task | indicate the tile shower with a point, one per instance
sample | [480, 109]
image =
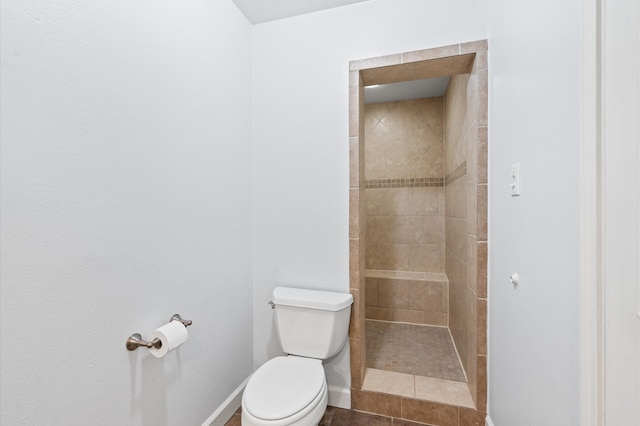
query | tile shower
[418, 241]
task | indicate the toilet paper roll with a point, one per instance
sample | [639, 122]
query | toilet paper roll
[171, 335]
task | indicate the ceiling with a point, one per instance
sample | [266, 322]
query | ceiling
[416, 89]
[258, 11]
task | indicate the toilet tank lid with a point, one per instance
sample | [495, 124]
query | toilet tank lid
[314, 299]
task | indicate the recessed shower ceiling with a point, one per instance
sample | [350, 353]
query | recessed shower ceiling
[416, 89]
[258, 11]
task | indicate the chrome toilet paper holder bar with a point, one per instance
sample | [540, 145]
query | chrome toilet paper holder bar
[135, 340]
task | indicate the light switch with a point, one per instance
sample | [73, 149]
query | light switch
[515, 180]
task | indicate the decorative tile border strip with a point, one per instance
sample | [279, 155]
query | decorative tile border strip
[459, 171]
[404, 183]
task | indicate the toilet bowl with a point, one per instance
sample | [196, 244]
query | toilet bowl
[287, 390]
[292, 390]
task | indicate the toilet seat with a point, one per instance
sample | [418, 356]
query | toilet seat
[285, 391]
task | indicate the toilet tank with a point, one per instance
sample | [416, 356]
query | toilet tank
[311, 323]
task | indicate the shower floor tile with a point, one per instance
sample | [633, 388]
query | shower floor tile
[421, 350]
[419, 387]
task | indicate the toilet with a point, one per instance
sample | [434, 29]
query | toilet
[292, 390]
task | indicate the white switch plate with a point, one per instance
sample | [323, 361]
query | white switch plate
[515, 180]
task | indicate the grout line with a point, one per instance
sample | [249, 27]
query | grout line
[459, 359]
[415, 390]
[412, 323]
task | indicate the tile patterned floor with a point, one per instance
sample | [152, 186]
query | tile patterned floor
[341, 417]
[416, 349]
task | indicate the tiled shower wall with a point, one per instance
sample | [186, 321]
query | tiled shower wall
[413, 297]
[404, 171]
[465, 236]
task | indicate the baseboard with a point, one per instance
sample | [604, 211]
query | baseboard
[340, 397]
[488, 421]
[228, 407]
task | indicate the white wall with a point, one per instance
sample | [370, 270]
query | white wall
[300, 138]
[621, 199]
[126, 164]
[534, 120]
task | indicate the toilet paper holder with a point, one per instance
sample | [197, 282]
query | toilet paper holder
[135, 340]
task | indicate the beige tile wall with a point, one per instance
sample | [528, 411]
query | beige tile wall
[403, 139]
[417, 300]
[405, 224]
[465, 132]
[456, 262]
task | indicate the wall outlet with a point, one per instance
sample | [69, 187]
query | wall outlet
[515, 180]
